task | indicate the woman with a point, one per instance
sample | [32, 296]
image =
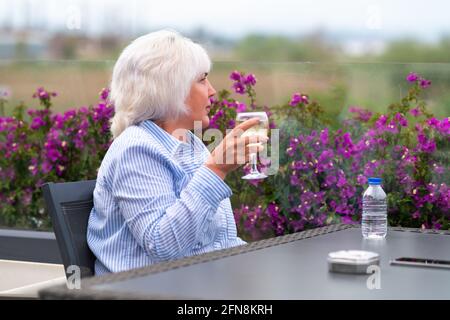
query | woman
[160, 194]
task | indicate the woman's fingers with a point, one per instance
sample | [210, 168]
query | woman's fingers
[235, 142]
[255, 139]
[254, 148]
[235, 150]
[244, 126]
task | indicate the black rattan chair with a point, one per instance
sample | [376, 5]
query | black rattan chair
[69, 205]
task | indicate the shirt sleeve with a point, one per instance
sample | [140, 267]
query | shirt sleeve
[165, 225]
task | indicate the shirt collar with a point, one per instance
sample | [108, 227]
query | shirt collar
[171, 143]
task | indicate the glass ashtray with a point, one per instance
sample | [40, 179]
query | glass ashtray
[352, 261]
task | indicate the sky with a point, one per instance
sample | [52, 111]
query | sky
[427, 20]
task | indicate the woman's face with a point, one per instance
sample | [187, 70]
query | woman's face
[198, 101]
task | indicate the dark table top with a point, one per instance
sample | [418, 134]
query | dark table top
[289, 267]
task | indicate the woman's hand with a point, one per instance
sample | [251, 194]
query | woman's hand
[235, 150]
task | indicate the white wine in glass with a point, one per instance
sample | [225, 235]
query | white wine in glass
[260, 129]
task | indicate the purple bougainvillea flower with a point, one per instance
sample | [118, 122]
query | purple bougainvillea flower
[241, 107]
[239, 88]
[250, 80]
[104, 93]
[412, 77]
[53, 155]
[424, 83]
[362, 180]
[381, 122]
[69, 114]
[444, 126]
[295, 99]
[37, 123]
[235, 75]
[43, 95]
[401, 120]
[324, 136]
[426, 145]
[46, 167]
[298, 98]
[433, 122]
[415, 112]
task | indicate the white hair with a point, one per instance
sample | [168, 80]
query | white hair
[152, 78]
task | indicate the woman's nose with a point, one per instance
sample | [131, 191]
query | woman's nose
[211, 90]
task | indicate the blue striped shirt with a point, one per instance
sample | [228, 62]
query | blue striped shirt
[154, 201]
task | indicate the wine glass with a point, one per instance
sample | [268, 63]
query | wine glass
[260, 129]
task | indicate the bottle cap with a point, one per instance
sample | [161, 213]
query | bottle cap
[375, 181]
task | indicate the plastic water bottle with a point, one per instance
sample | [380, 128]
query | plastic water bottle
[374, 216]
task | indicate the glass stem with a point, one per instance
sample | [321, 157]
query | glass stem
[253, 161]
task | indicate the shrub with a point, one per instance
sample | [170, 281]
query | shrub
[322, 171]
[39, 146]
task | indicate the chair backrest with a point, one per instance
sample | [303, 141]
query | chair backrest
[69, 205]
